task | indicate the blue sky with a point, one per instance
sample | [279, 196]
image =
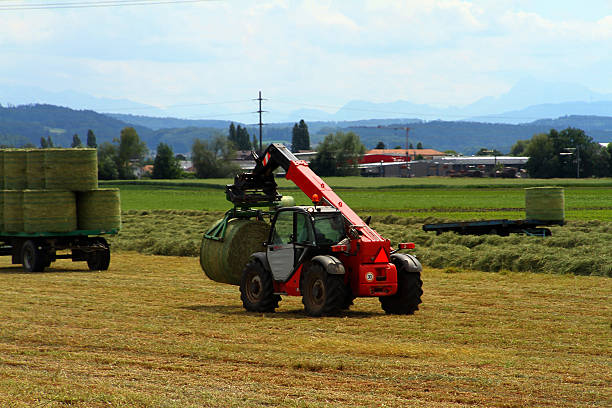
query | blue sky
[306, 53]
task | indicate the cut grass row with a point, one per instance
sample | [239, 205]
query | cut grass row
[153, 331]
[581, 247]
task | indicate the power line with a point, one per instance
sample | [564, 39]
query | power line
[93, 4]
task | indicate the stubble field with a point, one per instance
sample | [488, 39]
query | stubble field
[153, 331]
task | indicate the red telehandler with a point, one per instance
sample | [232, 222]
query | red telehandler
[325, 253]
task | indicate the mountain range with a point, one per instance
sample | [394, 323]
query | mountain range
[26, 124]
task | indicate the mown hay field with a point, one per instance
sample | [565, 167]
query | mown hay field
[154, 332]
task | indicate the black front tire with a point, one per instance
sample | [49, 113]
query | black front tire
[99, 260]
[33, 257]
[409, 290]
[323, 293]
[257, 289]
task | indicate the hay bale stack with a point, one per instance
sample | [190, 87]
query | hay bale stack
[545, 203]
[1, 169]
[35, 169]
[49, 211]
[71, 169]
[15, 169]
[13, 211]
[223, 261]
[99, 209]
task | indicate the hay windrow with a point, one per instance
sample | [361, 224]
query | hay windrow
[71, 169]
[15, 169]
[35, 169]
[1, 210]
[49, 211]
[223, 261]
[13, 210]
[545, 203]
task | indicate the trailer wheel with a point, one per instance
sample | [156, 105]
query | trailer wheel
[257, 289]
[323, 293]
[409, 289]
[33, 257]
[99, 260]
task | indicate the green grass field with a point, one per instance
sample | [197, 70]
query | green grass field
[154, 332]
[453, 199]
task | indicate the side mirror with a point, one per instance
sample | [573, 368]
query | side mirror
[368, 219]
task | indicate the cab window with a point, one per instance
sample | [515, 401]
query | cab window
[283, 229]
[305, 235]
[329, 228]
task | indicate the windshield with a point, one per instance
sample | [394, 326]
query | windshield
[329, 228]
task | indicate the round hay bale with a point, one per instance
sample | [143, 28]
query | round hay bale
[1, 169]
[71, 169]
[15, 169]
[35, 169]
[287, 201]
[545, 203]
[223, 261]
[99, 209]
[49, 211]
[13, 211]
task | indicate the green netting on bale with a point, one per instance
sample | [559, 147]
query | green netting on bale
[223, 261]
[35, 169]
[13, 211]
[71, 169]
[545, 203]
[15, 169]
[49, 211]
[1, 169]
[99, 209]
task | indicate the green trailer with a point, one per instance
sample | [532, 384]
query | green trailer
[36, 251]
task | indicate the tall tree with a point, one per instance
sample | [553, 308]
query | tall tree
[242, 138]
[165, 166]
[43, 143]
[338, 155]
[91, 139]
[107, 162]
[300, 137]
[76, 141]
[131, 151]
[419, 145]
[232, 134]
[50, 142]
[213, 158]
[380, 145]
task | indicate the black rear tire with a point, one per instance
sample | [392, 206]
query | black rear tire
[409, 290]
[99, 260]
[33, 257]
[323, 293]
[257, 289]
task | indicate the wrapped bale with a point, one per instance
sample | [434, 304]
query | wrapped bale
[223, 261]
[49, 211]
[35, 169]
[545, 204]
[13, 211]
[99, 209]
[15, 169]
[71, 169]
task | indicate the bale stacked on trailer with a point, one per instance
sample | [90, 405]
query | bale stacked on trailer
[15, 169]
[71, 169]
[49, 211]
[224, 260]
[99, 209]
[54, 190]
[13, 210]
[35, 169]
[545, 204]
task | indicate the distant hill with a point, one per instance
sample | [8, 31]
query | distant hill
[26, 124]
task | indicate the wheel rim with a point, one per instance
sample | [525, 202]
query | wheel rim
[318, 292]
[254, 288]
